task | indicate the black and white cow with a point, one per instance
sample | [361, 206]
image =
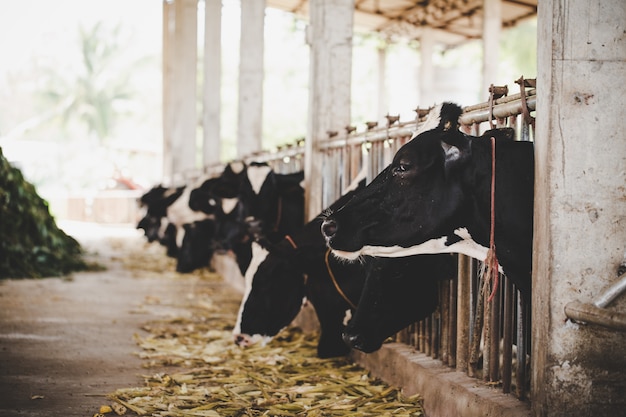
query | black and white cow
[154, 223]
[257, 204]
[273, 203]
[435, 198]
[299, 267]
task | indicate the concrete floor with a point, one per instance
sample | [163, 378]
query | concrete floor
[66, 343]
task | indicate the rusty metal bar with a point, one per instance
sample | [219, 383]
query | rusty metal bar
[596, 313]
[522, 333]
[494, 348]
[444, 296]
[507, 336]
[464, 310]
[452, 328]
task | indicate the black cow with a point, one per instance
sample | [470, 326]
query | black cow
[435, 198]
[282, 276]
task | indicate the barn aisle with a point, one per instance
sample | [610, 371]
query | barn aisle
[159, 342]
[67, 342]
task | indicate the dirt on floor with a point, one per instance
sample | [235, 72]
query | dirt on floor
[65, 343]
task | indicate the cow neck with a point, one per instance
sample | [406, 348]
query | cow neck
[492, 259]
[279, 214]
[334, 280]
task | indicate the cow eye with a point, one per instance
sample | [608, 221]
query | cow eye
[401, 168]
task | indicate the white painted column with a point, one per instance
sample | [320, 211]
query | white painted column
[492, 25]
[182, 90]
[167, 85]
[383, 101]
[426, 79]
[330, 39]
[580, 205]
[211, 97]
[250, 112]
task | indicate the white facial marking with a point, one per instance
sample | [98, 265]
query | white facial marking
[347, 317]
[257, 176]
[466, 246]
[237, 166]
[179, 212]
[163, 226]
[229, 204]
[168, 192]
[258, 256]
[432, 121]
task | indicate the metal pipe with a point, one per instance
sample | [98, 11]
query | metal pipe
[596, 313]
[589, 313]
[612, 292]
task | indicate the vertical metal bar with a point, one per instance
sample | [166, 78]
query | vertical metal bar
[494, 348]
[422, 337]
[434, 335]
[444, 296]
[488, 323]
[427, 335]
[463, 312]
[521, 348]
[452, 327]
[507, 336]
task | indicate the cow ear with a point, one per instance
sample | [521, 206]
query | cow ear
[455, 148]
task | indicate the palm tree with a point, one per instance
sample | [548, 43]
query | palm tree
[93, 96]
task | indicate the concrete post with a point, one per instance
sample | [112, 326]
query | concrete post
[168, 102]
[330, 39]
[492, 24]
[426, 81]
[250, 113]
[580, 205]
[383, 101]
[211, 144]
[179, 75]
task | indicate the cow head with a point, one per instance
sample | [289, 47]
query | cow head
[435, 198]
[196, 249]
[396, 293]
[273, 297]
[410, 201]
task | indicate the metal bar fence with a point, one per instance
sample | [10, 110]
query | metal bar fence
[487, 341]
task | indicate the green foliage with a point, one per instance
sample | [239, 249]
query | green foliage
[31, 244]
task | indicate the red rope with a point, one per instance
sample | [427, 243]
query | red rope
[290, 240]
[492, 259]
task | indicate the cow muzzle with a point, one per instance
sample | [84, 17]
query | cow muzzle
[357, 342]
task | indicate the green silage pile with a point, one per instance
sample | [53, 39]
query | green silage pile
[31, 244]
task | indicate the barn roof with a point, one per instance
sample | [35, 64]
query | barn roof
[453, 21]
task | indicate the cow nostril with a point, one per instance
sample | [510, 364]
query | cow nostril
[329, 228]
[239, 339]
[350, 339]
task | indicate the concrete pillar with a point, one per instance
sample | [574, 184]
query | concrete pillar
[180, 59]
[580, 205]
[330, 38]
[492, 24]
[426, 81]
[211, 143]
[250, 113]
[168, 102]
[383, 102]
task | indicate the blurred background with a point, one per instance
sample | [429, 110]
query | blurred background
[81, 92]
